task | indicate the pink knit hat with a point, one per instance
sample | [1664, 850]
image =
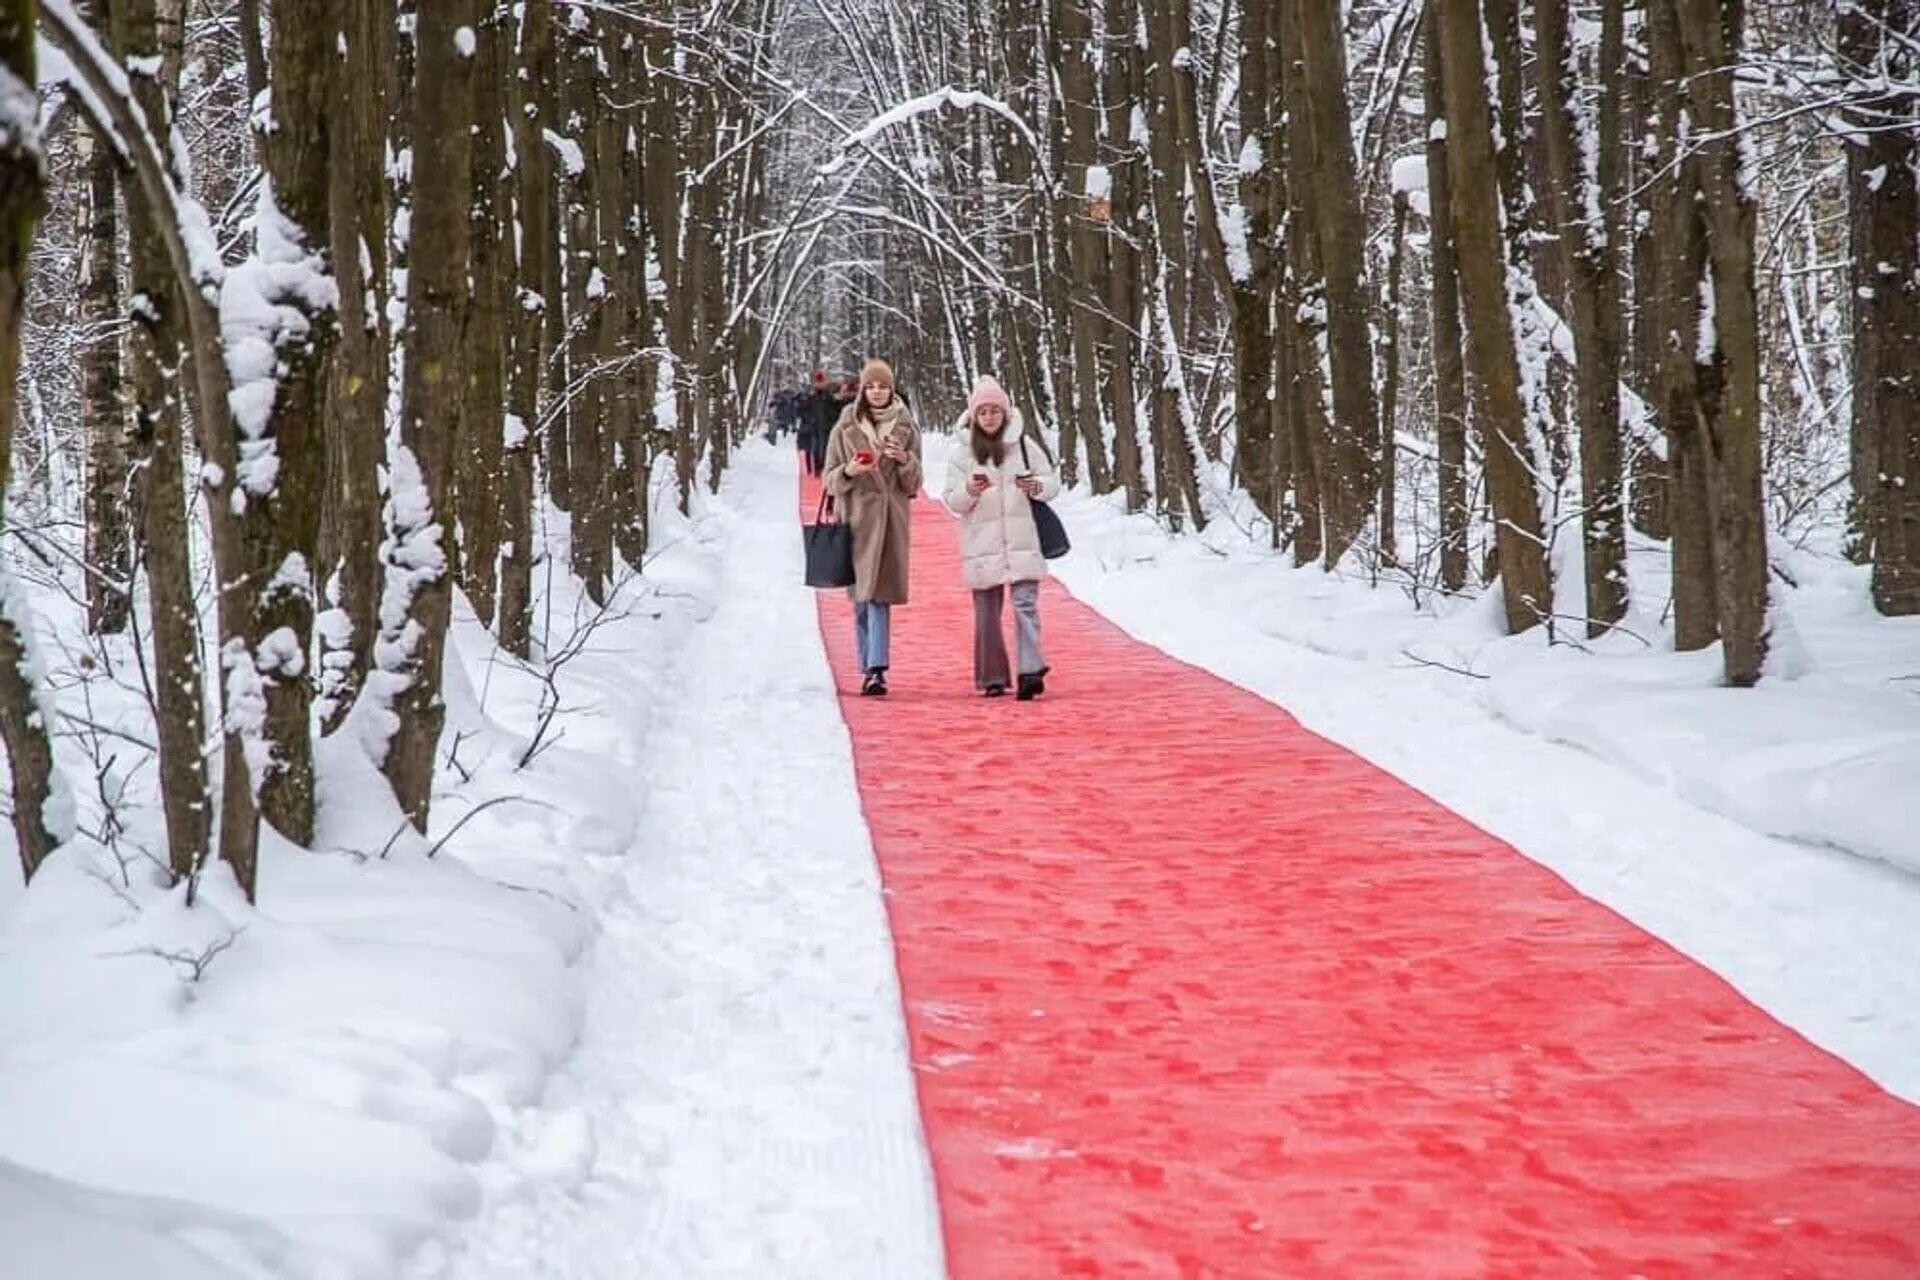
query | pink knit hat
[986, 390]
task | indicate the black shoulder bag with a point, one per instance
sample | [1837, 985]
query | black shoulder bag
[829, 547]
[1054, 542]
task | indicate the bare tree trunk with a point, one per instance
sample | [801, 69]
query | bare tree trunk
[1585, 229]
[1333, 200]
[477, 472]
[542, 54]
[1712, 35]
[1648, 469]
[1681, 249]
[400, 123]
[1174, 454]
[533, 208]
[253, 49]
[145, 38]
[707, 280]
[623, 246]
[430, 410]
[1870, 162]
[357, 390]
[1498, 408]
[214, 402]
[283, 451]
[1602, 468]
[103, 399]
[1179, 452]
[1121, 93]
[1449, 360]
[38, 822]
[588, 283]
[1022, 43]
[1306, 363]
[1878, 47]
[662, 107]
[1300, 369]
[1255, 408]
[1513, 141]
[1078, 254]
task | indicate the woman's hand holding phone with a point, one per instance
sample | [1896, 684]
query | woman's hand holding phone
[977, 483]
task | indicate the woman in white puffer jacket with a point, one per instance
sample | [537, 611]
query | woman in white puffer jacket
[992, 481]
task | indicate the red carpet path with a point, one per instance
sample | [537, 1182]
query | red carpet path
[1192, 992]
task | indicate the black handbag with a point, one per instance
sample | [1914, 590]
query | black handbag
[829, 547]
[1054, 542]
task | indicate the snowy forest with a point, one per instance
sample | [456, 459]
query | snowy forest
[368, 362]
[1473, 318]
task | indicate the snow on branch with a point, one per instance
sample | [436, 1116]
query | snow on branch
[947, 96]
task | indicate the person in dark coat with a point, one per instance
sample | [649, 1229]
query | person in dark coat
[811, 424]
[819, 412]
[786, 410]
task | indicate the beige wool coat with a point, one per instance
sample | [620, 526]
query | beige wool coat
[876, 504]
[999, 542]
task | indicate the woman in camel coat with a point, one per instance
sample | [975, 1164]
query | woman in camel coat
[873, 471]
[993, 480]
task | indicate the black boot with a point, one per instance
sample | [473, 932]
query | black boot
[875, 686]
[996, 690]
[1032, 686]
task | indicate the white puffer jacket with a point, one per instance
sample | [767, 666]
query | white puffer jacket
[999, 543]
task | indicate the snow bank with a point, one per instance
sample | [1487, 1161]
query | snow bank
[52, 1230]
[1828, 758]
[1770, 833]
[324, 1085]
[742, 1081]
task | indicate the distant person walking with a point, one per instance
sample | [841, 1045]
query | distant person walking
[873, 472]
[813, 418]
[786, 412]
[820, 410]
[993, 479]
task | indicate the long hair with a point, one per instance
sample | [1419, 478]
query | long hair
[988, 447]
[864, 410]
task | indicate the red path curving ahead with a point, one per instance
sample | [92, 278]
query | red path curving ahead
[1193, 992]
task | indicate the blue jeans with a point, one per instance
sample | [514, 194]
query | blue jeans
[872, 632]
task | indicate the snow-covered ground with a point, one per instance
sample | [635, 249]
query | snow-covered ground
[308, 1088]
[633, 1011]
[1773, 834]
[743, 1076]
[636, 1014]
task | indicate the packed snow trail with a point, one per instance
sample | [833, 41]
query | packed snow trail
[741, 1090]
[1194, 992]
